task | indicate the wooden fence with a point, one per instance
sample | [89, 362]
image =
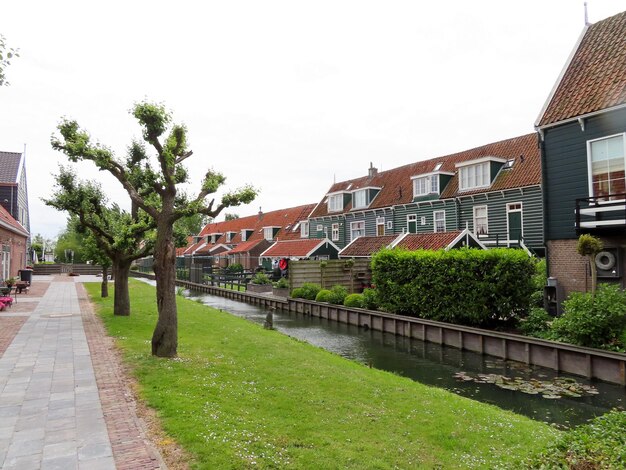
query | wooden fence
[63, 268]
[354, 275]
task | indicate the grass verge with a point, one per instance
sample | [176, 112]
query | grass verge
[239, 396]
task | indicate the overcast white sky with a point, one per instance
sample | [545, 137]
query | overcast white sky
[286, 95]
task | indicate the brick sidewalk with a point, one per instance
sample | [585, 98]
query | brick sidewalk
[58, 373]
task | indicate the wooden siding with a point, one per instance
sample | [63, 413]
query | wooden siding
[565, 171]
[496, 203]
[425, 210]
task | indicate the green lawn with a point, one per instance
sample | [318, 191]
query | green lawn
[239, 396]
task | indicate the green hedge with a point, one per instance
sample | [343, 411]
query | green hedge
[465, 286]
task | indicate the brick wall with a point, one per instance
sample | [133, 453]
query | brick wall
[571, 269]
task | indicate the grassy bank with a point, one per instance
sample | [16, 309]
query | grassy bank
[239, 396]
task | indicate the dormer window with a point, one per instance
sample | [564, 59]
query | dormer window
[230, 236]
[246, 233]
[304, 230]
[359, 199]
[270, 232]
[335, 203]
[424, 185]
[479, 173]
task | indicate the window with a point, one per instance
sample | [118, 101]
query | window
[269, 232]
[480, 220]
[244, 235]
[357, 229]
[606, 168]
[380, 226]
[359, 199]
[230, 236]
[422, 220]
[474, 176]
[439, 218]
[319, 227]
[426, 185]
[335, 203]
[334, 233]
[304, 230]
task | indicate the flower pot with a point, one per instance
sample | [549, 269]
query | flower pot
[259, 288]
[281, 291]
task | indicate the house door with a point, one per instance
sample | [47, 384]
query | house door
[6, 262]
[514, 222]
[411, 221]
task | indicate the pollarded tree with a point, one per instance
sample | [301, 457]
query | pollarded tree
[123, 237]
[152, 184]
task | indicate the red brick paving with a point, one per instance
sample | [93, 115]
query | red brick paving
[9, 326]
[131, 449]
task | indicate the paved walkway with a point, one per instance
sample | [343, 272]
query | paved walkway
[51, 401]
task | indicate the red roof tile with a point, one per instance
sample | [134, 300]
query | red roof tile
[293, 248]
[366, 246]
[397, 187]
[595, 77]
[428, 241]
[8, 222]
[244, 247]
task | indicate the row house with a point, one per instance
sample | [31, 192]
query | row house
[493, 190]
[582, 130]
[243, 240]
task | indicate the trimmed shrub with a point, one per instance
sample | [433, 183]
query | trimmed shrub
[593, 322]
[307, 291]
[261, 278]
[354, 300]
[370, 299]
[599, 444]
[540, 279]
[339, 294]
[282, 283]
[465, 286]
[235, 268]
[324, 295]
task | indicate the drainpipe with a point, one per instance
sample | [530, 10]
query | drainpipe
[457, 205]
[544, 194]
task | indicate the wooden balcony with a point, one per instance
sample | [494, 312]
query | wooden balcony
[601, 214]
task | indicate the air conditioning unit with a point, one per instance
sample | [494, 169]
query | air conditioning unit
[609, 263]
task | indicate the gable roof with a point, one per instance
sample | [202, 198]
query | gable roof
[9, 223]
[9, 167]
[397, 187]
[364, 247]
[594, 78]
[438, 241]
[302, 248]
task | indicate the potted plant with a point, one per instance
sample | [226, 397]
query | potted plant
[281, 287]
[10, 282]
[260, 283]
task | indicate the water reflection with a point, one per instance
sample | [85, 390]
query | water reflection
[432, 364]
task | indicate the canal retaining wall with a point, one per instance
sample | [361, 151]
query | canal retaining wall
[586, 362]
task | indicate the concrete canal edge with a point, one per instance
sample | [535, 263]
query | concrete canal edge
[586, 362]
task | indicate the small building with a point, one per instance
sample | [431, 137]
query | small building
[14, 245]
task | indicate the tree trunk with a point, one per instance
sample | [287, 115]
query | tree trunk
[104, 286]
[165, 336]
[121, 299]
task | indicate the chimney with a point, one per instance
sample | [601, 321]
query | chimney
[260, 213]
[372, 171]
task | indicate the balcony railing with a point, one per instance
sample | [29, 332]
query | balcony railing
[597, 213]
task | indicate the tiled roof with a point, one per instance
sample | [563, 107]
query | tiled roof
[9, 166]
[366, 246]
[8, 222]
[244, 247]
[293, 248]
[428, 241]
[595, 78]
[397, 187]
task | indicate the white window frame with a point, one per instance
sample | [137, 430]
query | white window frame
[359, 199]
[319, 228]
[425, 185]
[357, 226]
[268, 233]
[304, 230]
[475, 176]
[439, 217]
[334, 232]
[510, 208]
[335, 202]
[589, 162]
[486, 217]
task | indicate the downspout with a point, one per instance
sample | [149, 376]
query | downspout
[544, 193]
[457, 205]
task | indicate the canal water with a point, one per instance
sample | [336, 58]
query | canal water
[435, 365]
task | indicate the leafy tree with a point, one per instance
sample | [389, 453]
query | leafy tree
[69, 240]
[120, 236]
[153, 186]
[6, 54]
[228, 216]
